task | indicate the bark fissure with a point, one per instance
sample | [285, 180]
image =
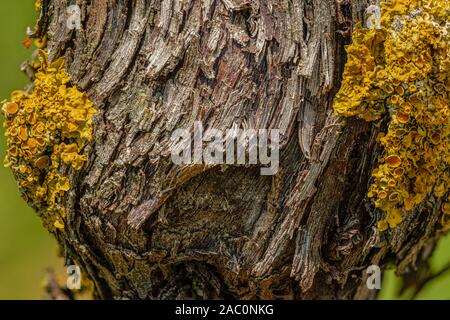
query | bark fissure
[142, 227]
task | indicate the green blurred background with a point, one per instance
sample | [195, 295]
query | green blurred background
[26, 249]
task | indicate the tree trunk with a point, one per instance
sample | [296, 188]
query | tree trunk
[143, 228]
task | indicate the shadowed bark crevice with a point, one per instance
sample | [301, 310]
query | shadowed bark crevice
[144, 228]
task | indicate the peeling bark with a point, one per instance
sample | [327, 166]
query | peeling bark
[143, 228]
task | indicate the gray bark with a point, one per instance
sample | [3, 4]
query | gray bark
[143, 228]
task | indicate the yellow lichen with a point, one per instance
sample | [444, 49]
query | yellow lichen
[445, 218]
[40, 43]
[401, 70]
[46, 128]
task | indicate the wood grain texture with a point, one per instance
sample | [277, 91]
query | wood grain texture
[144, 228]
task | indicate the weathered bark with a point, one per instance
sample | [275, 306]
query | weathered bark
[142, 227]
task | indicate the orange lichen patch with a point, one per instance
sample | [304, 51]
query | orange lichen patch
[404, 68]
[399, 172]
[42, 162]
[45, 129]
[27, 42]
[23, 133]
[382, 195]
[400, 91]
[402, 117]
[31, 144]
[393, 161]
[10, 108]
[13, 151]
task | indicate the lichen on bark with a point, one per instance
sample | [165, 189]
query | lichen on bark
[46, 128]
[400, 69]
[144, 228]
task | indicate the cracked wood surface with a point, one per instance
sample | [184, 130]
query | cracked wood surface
[144, 228]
